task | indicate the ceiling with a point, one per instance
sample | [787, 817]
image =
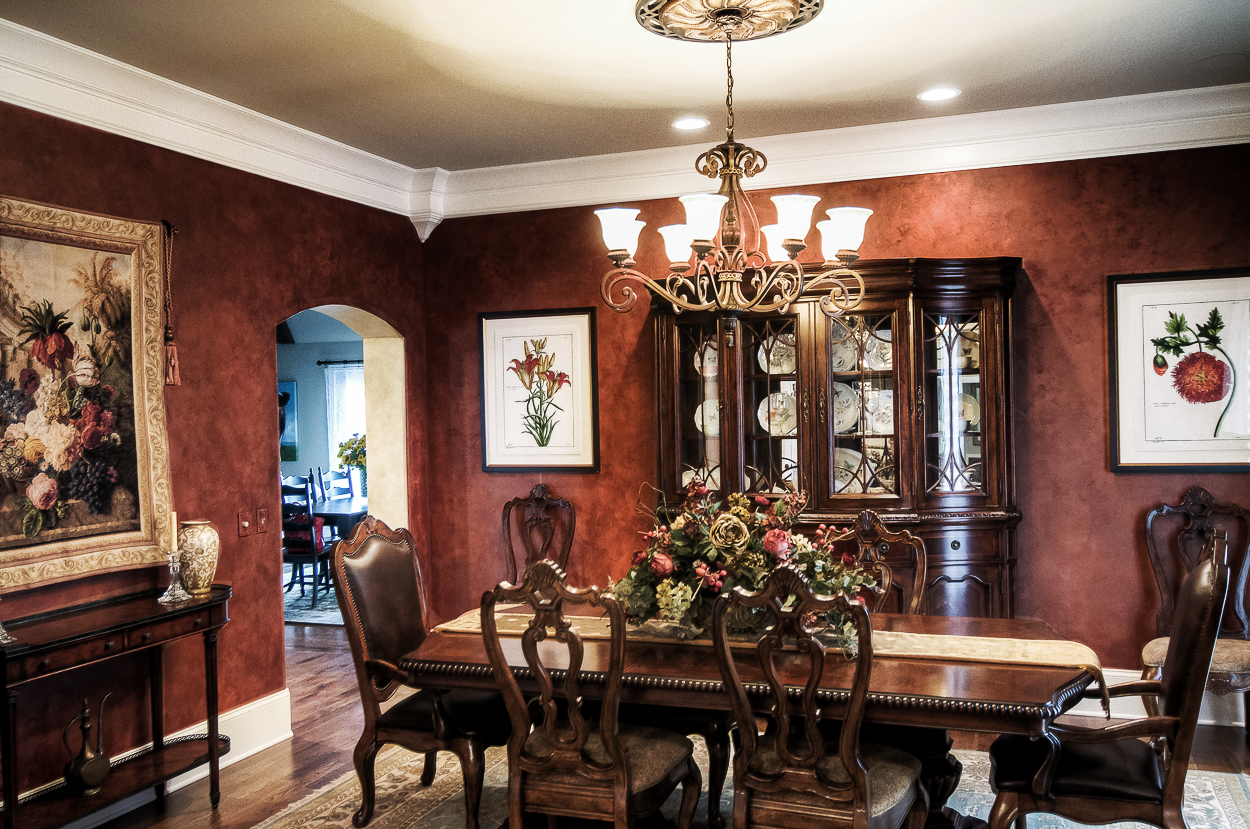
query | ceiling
[460, 86]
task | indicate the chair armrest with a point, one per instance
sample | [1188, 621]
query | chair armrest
[1148, 727]
[1133, 688]
[386, 670]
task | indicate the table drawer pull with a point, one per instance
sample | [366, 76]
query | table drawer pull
[199, 620]
[147, 635]
[109, 645]
[44, 664]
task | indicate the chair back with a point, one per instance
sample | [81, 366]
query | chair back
[897, 560]
[335, 484]
[377, 579]
[542, 525]
[1195, 626]
[298, 523]
[1177, 538]
[547, 737]
[790, 655]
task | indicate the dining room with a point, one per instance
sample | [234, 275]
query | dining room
[1057, 528]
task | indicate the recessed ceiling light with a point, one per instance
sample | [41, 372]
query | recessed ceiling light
[691, 123]
[939, 93]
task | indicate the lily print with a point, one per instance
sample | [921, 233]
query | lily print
[1199, 376]
[542, 381]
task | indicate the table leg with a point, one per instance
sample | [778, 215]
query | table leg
[156, 691]
[8, 744]
[210, 679]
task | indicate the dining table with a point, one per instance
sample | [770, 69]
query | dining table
[991, 682]
[341, 513]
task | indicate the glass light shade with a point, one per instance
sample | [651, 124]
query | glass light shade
[703, 214]
[843, 230]
[775, 235]
[794, 215]
[677, 239]
[620, 228]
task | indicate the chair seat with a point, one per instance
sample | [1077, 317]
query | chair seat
[891, 770]
[1118, 770]
[1232, 656]
[652, 754]
[475, 714]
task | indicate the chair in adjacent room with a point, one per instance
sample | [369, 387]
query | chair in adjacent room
[377, 578]
[538, 525]
[570, 759]
[541, 526]
[335, 484]
[303, 541]
[1175, 538]
[793, 774]
[898, 560]
[1112, 774]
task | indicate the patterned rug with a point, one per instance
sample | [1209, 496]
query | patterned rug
[1212, 800]
[298, 609]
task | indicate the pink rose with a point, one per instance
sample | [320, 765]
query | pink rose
[848, 560]
[777, 544]
[42, 491]
[760, 500]
[640, 556]
[661, 565]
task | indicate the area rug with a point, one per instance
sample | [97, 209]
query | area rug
[298, 609]
[1212, 800]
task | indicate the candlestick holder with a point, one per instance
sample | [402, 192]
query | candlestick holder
[174, 593]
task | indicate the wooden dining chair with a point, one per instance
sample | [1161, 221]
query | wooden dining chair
[541, 526]
[1176, 538]
[792, 774]
[335, 484]
[538, 525]
[303, 540]
[897, 560]
[381, 594]
[1112, 774]
[566, 757]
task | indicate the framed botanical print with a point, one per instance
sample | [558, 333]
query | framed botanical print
[84, 454]
[540, 391]
[1180, 370]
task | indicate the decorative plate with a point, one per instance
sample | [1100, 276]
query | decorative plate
[707, 360]
[778, 413]
[707, 418]
[879, 412]
[969, 354]
[846, 463]
[711, 479]
[876, 449]
[879, 351]
[843, 351]
[776, 355]
[845, 407]
[969, 409]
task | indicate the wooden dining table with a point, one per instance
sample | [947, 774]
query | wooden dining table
[918, 699]
[341, 513]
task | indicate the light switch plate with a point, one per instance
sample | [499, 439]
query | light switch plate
[262, 521]
[245, 523]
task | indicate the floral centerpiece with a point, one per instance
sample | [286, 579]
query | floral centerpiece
[711, 545]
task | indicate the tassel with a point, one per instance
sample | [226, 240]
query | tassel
[172, 378]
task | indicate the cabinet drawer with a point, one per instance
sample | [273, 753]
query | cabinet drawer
[37, 665]
[157, 632]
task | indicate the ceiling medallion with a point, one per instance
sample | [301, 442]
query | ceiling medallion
[704, 20]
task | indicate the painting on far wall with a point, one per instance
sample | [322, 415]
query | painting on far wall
[288, 425]
[84, 466]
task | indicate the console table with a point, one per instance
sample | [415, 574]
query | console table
[61, 640]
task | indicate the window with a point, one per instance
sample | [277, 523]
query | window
[345, 405]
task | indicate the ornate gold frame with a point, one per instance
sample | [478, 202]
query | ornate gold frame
[62, 560]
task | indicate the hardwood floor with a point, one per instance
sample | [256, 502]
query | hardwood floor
[326, 722]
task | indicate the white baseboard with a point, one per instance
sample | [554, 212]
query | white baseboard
[1226, 710]
[252, 728]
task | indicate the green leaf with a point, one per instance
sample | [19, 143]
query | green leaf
[32, 523]
[1176, 324]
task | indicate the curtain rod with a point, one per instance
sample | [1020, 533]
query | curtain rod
[340, 362]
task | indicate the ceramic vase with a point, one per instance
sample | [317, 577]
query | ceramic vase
[364, 482]
[198, 549]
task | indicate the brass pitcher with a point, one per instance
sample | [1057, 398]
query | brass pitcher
[85, 772]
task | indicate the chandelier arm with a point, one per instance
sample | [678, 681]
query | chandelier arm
[670, 290]
[784, 281]
[846, 290]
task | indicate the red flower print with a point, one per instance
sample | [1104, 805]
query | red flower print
[1201, 378]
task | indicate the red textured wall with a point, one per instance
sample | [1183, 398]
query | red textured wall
[249, 253]
[1082, 559]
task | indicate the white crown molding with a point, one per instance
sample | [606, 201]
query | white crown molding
[57, 78]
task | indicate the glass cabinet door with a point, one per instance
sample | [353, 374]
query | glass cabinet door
[953, 403]
[699, 403]
[857, 406]
[771, 408]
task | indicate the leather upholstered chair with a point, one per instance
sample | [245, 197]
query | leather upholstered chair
[575, 760]
[897, 559]
[377, 578]
[538, 525]
[1106, 775]
[541, 525]
[793, 775]
[1176, 536]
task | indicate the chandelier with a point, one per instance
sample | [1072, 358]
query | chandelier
[716, 260]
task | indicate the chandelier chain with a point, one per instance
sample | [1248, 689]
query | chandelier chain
[729, 93]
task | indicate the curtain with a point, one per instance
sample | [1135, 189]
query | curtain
[345, 405]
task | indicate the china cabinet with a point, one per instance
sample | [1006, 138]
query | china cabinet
[902, 407]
